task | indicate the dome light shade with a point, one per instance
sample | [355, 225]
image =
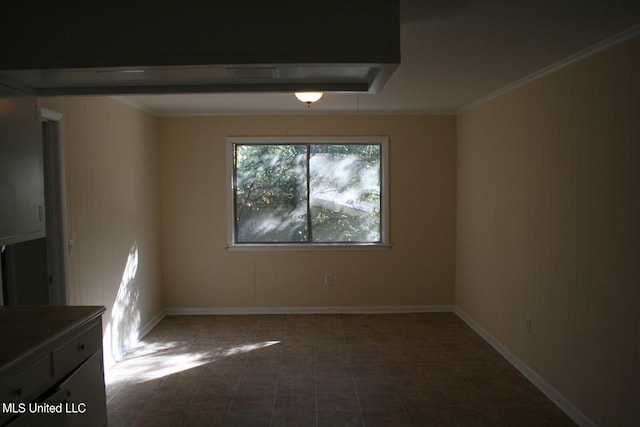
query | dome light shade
[308, 97]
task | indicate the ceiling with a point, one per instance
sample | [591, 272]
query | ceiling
[454, 53]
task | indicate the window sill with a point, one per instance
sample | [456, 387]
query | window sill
[305, 247]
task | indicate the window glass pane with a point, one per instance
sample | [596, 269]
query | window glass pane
[345, 193]
[270, 193]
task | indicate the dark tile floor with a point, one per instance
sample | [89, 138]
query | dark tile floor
[390, 370]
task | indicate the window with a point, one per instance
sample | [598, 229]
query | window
[307, 193]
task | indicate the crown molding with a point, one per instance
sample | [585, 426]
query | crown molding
[579, 56]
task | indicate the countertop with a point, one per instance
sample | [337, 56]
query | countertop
[26, 330]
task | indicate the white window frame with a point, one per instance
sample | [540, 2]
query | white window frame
[384, 243]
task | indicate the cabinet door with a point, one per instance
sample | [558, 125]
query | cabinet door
[40, 420]
[86, 397]
[79, 400]
[82, 394]
[21, 176]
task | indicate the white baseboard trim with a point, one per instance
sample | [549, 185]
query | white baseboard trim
[119, 353]
[145, 329]
[308, 310]
[554, 395]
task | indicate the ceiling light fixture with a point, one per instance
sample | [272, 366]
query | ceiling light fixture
[308, 97]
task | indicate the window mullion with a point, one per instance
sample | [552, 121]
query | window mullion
[309, 230]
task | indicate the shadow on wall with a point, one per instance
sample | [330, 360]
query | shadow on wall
[122, 329]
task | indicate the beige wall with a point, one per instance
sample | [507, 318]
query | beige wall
[113, 205]
[198, 271]
[546, 217]
[548, 211]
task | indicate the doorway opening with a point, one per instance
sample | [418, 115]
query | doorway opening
[34, 272]
[54, 197]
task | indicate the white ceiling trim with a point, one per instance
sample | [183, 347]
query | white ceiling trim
[579, 56]
[312, 113]
[131, 103]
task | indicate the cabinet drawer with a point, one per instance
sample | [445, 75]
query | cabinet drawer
[28, 383]
[76, 350]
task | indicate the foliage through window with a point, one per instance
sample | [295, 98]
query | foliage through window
[308, 191]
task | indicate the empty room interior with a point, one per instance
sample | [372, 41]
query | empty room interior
[502, 286]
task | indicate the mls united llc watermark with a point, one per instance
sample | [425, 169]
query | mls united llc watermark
[44, 408]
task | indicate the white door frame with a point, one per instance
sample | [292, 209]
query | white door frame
[55, 201]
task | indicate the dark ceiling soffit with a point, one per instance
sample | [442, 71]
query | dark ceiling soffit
[332, 32]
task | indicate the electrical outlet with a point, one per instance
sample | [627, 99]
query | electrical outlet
[529, 325]
[328, 279]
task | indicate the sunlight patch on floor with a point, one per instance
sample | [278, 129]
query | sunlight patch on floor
[249, 347]
[150, 361]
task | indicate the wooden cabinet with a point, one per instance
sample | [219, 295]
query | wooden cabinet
[21, 171]
[51, 370]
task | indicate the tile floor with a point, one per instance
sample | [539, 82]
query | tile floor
[390, 370]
